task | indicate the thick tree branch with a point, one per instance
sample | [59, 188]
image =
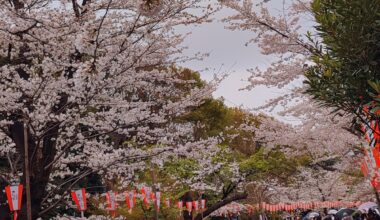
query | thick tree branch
[17, 4]
[216, 206]
[75, 8]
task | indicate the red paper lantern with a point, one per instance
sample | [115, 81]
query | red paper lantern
[189, 206]
[111, 201]
[79, 197]
[203, 204]
[14, 196]
[196, 205]
[158, 200]
[130, 199]
[180, 204]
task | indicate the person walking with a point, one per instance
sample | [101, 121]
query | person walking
[373, 215]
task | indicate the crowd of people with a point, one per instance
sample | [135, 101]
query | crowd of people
[360, 211]
[346, 214]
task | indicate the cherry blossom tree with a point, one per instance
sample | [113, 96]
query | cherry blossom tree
[328, 167]
[285, 37]
[87, 84]
[282, 36]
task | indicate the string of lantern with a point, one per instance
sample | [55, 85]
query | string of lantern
[305, 205]
[196, 206]
[14, 196]
[146, 196]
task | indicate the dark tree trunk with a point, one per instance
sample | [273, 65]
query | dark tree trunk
[40, 154]
[236, 197]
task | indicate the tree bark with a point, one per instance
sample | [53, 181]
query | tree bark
[236, 197]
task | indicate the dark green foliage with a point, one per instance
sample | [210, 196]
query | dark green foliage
[273, 164]
[350, 53]
[218, 120]
[213, 115]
